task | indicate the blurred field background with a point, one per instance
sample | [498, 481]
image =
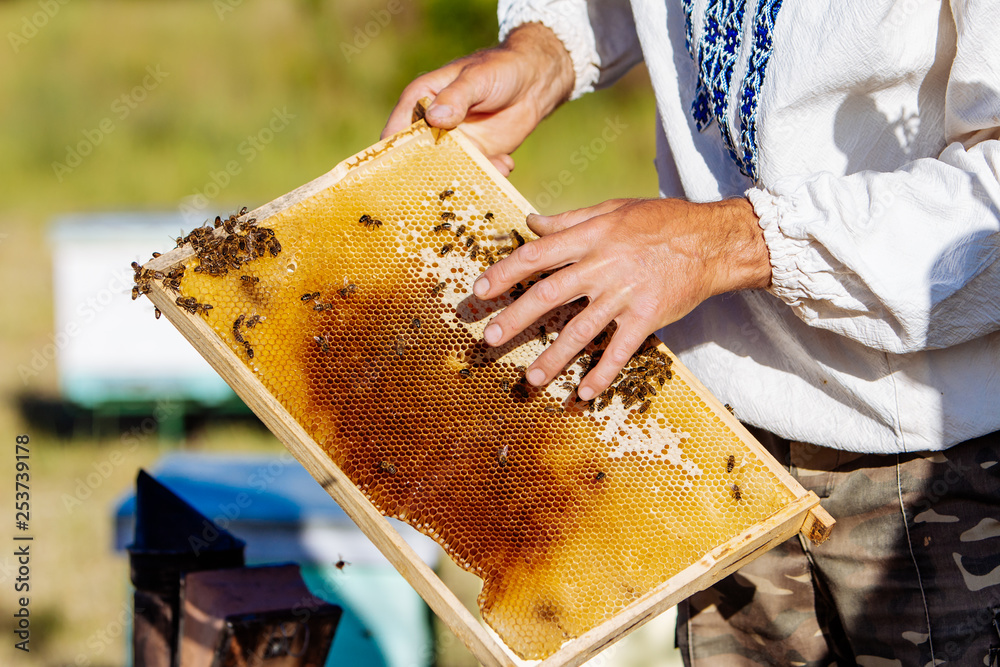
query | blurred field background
[223, 68]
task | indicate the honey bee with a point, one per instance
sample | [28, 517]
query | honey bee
[438, 290]
[568, 386]
[469, 241]
[156, 312]
[250, 279]
[348, 291]
[465, 372]
[474, 253]
[730, 409]
[443, 226]
[237, 324]
[459, 231]
[445, 249]
[323, 343]
[155, 255]
[248, 349]
[136, 267]
[204, 308]
[370, 222]
[517, 237]
[445, 194]
[599, 476]
[502, 459]
[341, 564]
[447, 215]
[400, 348]
[135, 293]
[730, 463]
[543, 336]
[415, 323]
[554, 409]
[243, 211]
[734, 491]
[253, 320]
[488, 216]
[505, 384]
[388, 467]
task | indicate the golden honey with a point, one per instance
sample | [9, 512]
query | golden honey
[368, 334]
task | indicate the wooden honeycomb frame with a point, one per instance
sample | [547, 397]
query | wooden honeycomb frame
[803, 514]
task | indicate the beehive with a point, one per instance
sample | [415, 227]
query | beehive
[343, 314]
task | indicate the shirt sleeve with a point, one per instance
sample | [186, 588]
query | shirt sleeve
[599, 35]
[906, 260]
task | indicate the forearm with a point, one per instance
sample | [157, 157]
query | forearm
[543, 57]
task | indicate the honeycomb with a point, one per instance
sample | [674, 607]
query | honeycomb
[365, 328]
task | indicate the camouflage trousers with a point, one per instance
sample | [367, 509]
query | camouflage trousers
[910, 575]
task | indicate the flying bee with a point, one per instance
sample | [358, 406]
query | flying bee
[347, 291]
[445, 249]
[341, 564]
[734, 491]
[156, 312]
[252, 280]
[459, 231]
[502, 459]
[388, 467]
[730, 463]
[438, 290]
[445, 194]
[599, 476]
[323, 343]
[443, 226]
[447, 215]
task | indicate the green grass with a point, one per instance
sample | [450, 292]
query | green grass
[224, 77]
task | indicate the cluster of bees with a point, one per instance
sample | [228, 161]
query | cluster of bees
[190, 304]
[648, 370]
[466, 241]
[241, 243]
[239, 324]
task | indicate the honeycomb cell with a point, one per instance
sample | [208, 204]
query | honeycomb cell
[370, 337]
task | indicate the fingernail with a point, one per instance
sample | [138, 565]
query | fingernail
[586, 393]
[440, 111]
[492, 334]
[481, 287]
[536, 376]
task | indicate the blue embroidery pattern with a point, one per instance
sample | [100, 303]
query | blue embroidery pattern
[715, 56]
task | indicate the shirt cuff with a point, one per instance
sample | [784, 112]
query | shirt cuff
[801, 275]
[570, 22]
